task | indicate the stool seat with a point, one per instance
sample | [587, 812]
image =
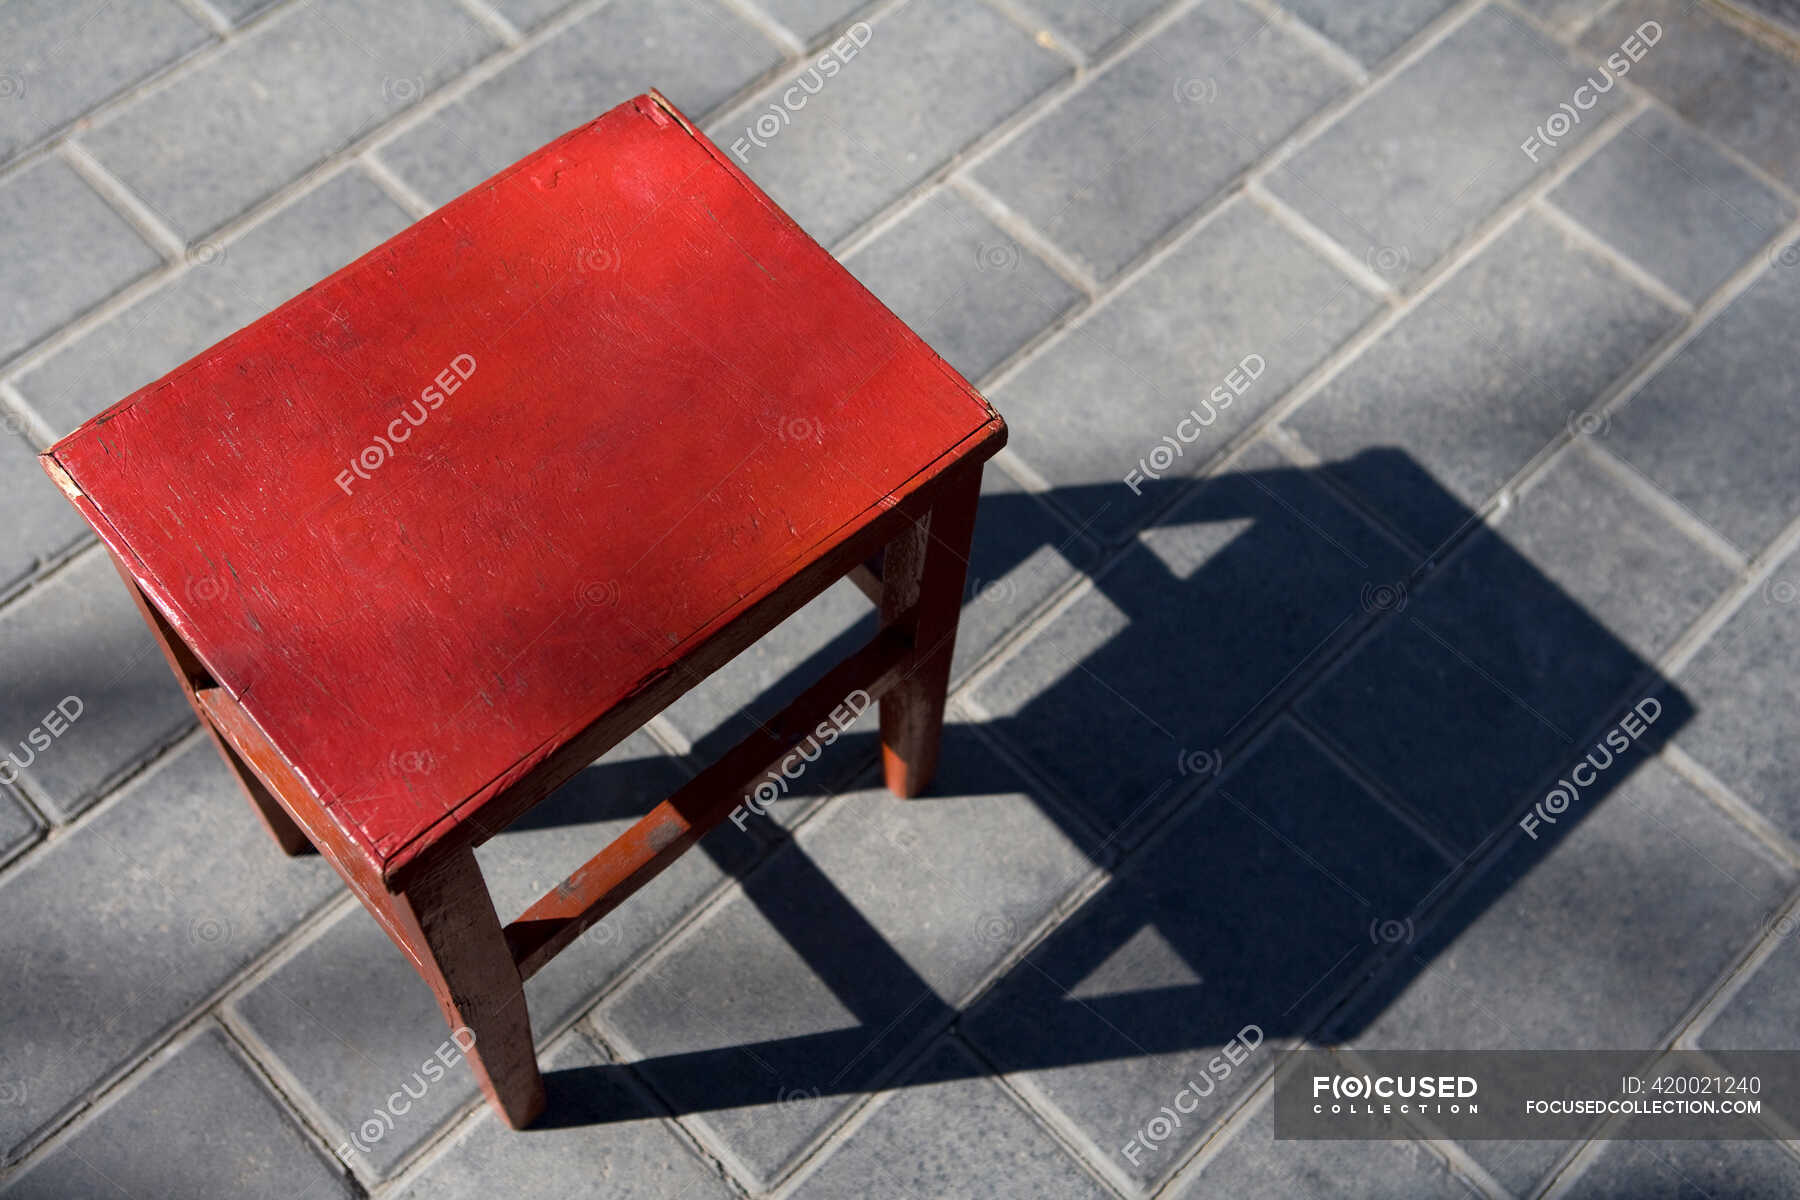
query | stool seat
[429, 538]
[518, 467]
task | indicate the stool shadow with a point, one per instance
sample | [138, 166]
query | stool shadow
[1204, 725]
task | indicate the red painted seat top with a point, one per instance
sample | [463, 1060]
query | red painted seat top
[435, 515]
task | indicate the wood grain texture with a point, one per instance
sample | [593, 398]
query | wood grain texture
[668, 402]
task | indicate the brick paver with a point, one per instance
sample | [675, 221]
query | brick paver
[1377, 443]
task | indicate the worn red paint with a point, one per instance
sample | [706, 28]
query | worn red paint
[681, 399]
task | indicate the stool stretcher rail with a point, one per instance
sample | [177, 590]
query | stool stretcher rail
[639, 854]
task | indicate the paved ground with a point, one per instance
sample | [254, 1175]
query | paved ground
[1456, 401]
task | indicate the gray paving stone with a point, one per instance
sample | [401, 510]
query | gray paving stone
[1515, 648]
[765, 677]
[1761, 1015]
[811, 20]
[44, 525]
[294, 249]
[1782, 12]
[1743, 685]
[1728, 461]
[1689, 1171]
[695, 51]
[1564, 16]
[1597, 937]
[1254, 1166]
[115, 932]
[1123, 160]
[596, 1128]
[1244, 587]
[63, 59]
[1094, 27]
[1735, 88]
[528, 14]
[80, 636]
[1021, 555]
[1253, 910]
[1670, 201]
[934, 76]
[17, 826]
[200, 1124]
[1614, 555]
[299, 87]
[961, 283]
[1105, 393]
[1417, 165]
[62, 251]
[766, 1019]
[954, 882]
[1369, 29]
[949, 1133]
[350, 1020]
[1480, 377]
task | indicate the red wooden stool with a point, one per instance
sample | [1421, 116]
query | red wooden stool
[430, 537]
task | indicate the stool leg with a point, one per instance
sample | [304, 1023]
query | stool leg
[449, 918]
[925, 566]
[191, 674]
